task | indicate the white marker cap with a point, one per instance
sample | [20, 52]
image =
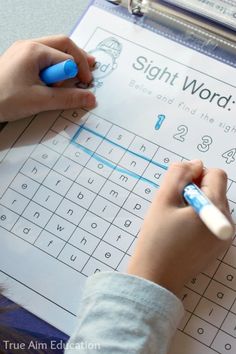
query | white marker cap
[217, 222]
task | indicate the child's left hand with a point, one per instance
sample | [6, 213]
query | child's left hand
[22, 93]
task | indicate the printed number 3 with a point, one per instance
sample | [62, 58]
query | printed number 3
[183, 131]
[205, 145]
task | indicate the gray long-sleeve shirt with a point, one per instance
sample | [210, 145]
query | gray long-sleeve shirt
[120, 313]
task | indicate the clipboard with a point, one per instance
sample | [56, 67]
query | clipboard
[158, 137]
[190, 25]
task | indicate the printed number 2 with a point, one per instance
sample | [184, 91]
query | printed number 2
[205, 145]
[182, 131]
[229, 155]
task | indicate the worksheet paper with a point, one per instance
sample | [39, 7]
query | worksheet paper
[75, 185]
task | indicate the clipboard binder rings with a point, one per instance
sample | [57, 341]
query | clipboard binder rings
[192, 28]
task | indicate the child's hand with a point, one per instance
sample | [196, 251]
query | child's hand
[22, 93]
[174, 245]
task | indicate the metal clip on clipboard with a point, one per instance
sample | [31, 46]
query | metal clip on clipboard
[135, 7]
[177, 9]
[188, 28]
[138, 7]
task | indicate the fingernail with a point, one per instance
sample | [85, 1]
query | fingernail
[91, 57]
[92, 60]
[195, 161]
[89, 101]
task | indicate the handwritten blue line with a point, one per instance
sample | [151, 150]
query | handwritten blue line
[120, 146]
[110, 164]
[114, 167]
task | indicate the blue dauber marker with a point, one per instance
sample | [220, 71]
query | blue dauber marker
[212, 217]
[59, 72]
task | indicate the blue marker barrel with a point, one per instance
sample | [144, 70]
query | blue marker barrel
[212, 217]
[59, 72]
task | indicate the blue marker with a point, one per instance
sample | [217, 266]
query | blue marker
[160, 120]
[212, 217]
[59, 72]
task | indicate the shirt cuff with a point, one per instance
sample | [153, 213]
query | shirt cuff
[136, 289]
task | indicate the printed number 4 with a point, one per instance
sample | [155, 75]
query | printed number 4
[229, 155]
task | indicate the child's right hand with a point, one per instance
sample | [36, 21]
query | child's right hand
[174, 245]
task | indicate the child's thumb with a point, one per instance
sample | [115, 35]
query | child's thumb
[176, 178]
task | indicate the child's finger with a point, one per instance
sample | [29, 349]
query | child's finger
[52, 98]
[66, 45]
[214, 185]
[91, 60]
[49, 56]
[176, 178]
